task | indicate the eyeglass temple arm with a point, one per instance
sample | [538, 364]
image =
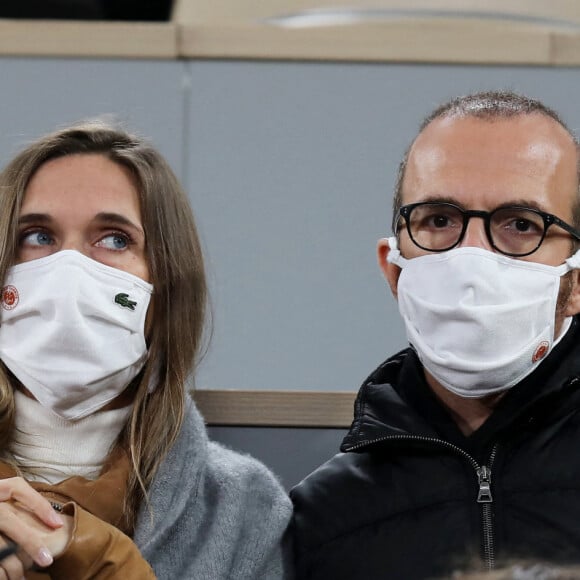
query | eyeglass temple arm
[571, 230]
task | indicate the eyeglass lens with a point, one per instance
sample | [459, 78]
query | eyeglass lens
[440, 226]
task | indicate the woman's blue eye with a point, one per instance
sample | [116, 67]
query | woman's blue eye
[37, 239]
[114, 242]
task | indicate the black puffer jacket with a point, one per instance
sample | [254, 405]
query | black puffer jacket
[412, 498]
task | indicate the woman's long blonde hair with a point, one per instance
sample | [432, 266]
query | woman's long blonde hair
[177, 272]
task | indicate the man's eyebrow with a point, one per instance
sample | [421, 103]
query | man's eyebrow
[531, 203]
[434, 198]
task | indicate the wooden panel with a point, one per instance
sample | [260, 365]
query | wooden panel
[94, 39]
[451, 31]
[566, 49]
[470, 41]
[223, 11]
[276, 408]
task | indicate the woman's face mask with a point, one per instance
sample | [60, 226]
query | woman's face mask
[72, 331]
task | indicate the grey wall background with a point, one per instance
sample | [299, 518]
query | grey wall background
[290, 168]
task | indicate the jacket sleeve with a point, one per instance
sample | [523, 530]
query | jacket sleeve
[98, 551]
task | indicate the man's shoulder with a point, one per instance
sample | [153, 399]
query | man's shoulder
[323, 498]
[339, 468]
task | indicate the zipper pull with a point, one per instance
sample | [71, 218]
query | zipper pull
[484, 479]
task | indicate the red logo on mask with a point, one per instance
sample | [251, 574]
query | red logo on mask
[10, 297]
[541, 351]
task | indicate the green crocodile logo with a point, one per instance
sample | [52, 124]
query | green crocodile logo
[122, 299]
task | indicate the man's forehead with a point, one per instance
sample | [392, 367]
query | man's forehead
[523, 128]
[529, 156]
[468, 139]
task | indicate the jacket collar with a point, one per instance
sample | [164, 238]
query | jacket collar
[396, 400]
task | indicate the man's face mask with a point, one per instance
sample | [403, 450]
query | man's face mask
[479, 321]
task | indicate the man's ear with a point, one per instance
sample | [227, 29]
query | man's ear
[573, 306]
[391, 272]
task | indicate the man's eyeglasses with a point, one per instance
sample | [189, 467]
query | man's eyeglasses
[514, 230]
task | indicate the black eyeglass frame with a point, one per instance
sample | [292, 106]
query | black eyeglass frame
[548, 219]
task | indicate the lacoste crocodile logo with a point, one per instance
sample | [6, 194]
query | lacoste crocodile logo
[122, 299]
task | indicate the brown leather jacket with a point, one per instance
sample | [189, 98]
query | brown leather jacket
[100, 546]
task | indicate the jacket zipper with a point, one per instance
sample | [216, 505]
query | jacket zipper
[485, 499]
[484, 496]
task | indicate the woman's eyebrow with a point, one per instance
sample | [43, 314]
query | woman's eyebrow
[29, 218]
[118, 219]
[113, 219]
[110, 218]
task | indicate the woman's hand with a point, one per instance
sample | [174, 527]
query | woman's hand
[29, 520]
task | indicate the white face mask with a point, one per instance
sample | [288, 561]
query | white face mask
[479, 321]
[72, 330]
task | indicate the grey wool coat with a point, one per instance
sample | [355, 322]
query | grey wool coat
[216, 514]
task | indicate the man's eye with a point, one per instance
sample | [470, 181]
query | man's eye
[440, 221]
[522, 225]
[437, 221]
[36, 239]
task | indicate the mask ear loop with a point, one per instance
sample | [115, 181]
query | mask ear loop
[394, 256]
[573, 262]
